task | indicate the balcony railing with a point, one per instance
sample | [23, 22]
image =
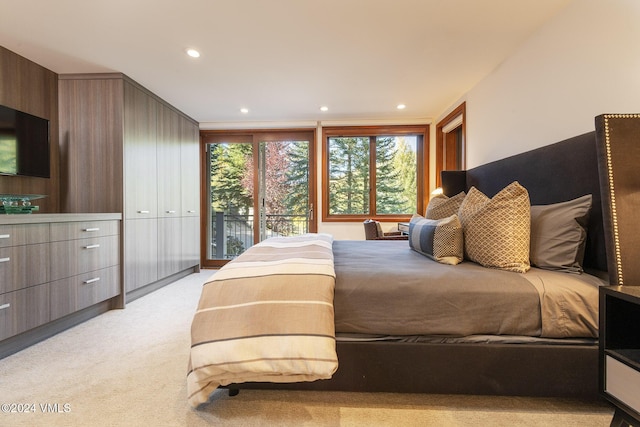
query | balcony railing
[233, 234]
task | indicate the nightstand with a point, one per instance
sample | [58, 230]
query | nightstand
[619, 379]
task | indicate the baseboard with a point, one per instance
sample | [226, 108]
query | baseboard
[33, 336]
[152, 287]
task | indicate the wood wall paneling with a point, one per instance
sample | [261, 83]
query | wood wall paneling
[91, 144]
[29, 87]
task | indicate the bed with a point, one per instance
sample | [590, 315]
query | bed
[522, 355]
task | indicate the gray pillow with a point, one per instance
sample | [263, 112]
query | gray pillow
[558, 234]
[439, 239]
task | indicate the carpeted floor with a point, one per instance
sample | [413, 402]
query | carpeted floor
[128, 368]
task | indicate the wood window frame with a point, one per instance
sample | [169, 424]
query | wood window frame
[459, 111]
[249, 136]
[422, 168]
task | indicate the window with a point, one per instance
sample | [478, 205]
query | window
[374, 172]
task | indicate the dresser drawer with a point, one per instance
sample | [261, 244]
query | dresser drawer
[83, 230]
[23, 234]
[623, 383]
[23, 310]
[84, 290]
[73, 257]
[22, 266]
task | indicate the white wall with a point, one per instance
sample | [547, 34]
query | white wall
[583, 62]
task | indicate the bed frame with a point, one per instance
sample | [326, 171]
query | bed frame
[551, 174]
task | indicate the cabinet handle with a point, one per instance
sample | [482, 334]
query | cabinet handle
[143, 212]
[92, 246]
[4, 236]
[171, 212]
[190, 211]
[3, 306]
[7, 259]
[95, 279]
[92, 229]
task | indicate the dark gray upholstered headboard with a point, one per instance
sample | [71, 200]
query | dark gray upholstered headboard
[551, 174]
[618, 143]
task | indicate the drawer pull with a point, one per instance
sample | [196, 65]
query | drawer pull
[92, 246]
[95, 279]
[190, 211]
[7, 259]
[5, 236]
[171, 212]
[92, 229]
[143, 212]
[3, 306]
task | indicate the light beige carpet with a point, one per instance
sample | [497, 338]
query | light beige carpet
[128, 368]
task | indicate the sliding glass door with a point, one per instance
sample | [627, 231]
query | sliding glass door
[258, 185]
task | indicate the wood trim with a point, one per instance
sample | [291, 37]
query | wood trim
[422, 168]
[460, 110]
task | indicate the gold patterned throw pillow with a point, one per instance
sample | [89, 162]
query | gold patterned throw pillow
[442, 206]
[497, 230]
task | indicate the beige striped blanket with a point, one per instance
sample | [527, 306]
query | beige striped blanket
[266, 316]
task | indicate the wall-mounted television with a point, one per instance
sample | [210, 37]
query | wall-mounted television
[24, 144]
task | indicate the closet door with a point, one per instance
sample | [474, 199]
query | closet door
[140, 122]
[169, 164]
[169, 246]
[190, 235]
[190, 157]
[140, 188]
[141, 252]
[169, 186]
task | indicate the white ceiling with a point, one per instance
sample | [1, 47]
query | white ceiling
[281, 59]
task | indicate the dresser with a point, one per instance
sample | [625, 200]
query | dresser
[55, 265]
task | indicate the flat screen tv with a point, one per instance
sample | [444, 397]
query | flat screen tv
[24, 144]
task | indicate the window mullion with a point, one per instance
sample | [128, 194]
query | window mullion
[372, 176]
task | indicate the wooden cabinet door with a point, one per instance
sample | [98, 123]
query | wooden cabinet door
[190, 158]
[91, 138]
[169, 246]
[140, 252]
[140, 120]
[190, 242]
[169, 164]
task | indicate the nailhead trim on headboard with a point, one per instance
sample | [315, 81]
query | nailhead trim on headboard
[612, 191]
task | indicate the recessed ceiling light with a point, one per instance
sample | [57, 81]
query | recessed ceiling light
[324, 108]
[244, 110]
[401, 107]
[193, 53]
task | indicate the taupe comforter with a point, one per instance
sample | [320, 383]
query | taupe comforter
[383, 287]
[266, 316]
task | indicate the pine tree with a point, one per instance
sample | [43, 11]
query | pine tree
[349, 175]
[297, 198]
[389, 190]
[405, 162]
[228, 163]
